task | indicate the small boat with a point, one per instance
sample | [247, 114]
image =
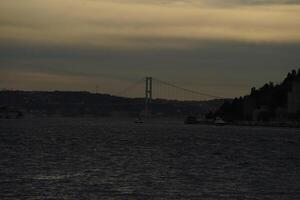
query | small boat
[220, 122]
[139, 121]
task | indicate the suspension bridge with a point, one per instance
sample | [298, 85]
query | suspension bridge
[151, 88]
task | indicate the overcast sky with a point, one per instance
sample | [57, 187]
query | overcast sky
[223, 47]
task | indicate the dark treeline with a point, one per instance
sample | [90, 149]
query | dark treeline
[89, 104]
[270, 100]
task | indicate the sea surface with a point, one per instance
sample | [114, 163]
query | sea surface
[65, 158]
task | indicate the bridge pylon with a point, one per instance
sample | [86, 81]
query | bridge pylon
[148, 96]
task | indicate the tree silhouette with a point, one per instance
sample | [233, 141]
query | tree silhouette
[269, 96]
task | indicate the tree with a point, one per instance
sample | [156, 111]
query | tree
[271, 96]
[271, 84]
[253, 91]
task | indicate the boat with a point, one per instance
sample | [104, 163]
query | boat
[219, 122]
[139, 120]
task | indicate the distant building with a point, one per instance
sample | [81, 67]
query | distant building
[294, 98]
[261, 114]
[281, 113]
[249, 107]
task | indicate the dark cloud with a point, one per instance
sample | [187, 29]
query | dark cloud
[226, 68]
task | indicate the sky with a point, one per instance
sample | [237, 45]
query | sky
[220, 47]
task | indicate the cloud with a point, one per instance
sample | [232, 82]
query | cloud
[134, 24]
[40, 81]
[207, 2]
[256, 2]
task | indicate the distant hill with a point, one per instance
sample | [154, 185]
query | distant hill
[269, 102]
[64, 103]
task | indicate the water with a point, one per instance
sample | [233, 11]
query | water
[112, 159]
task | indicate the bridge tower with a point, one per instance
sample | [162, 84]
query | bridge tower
[148, 96]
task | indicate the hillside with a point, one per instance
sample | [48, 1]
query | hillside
[269, 102]
[90, 104]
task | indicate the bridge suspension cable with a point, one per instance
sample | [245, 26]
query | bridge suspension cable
[187, 90]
